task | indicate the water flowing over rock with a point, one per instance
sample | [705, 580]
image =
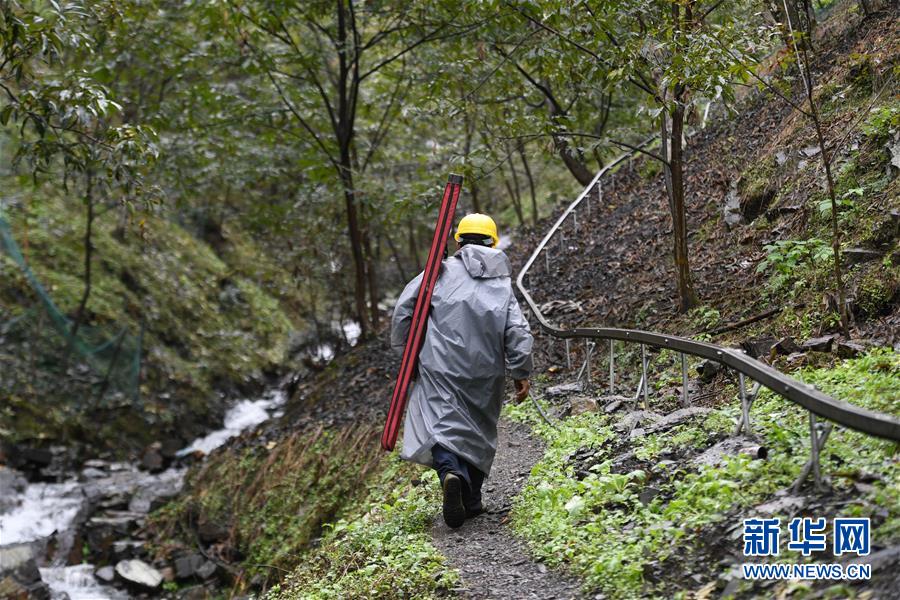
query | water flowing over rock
[138, 573]
[103, 505]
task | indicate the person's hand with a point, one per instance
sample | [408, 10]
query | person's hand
[522, 387]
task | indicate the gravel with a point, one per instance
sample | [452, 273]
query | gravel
[492, 562]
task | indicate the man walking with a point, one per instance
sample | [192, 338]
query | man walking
[476, 334]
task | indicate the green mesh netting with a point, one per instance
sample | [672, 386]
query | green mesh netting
[98, 366]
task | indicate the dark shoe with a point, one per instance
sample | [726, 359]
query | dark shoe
[474, 511]
[454, 511]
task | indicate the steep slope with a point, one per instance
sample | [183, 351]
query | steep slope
[764, 162]
[362, 529]
[204, 322]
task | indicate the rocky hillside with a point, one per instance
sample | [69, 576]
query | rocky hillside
[205, 317]
[626, 500]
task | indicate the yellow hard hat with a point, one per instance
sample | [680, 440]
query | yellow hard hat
[478, 223]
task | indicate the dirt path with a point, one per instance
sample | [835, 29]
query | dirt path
[491, 561]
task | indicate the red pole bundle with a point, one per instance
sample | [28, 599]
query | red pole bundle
[419, 323]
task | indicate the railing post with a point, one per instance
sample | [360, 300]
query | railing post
[568, 356]
[745, 405]
[644, 375]
[684, 381]
[587, 359]
[814, 444]
[818, 443]
[612, 367]
[547, 258]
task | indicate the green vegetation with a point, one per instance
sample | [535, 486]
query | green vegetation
[209, 324]
[344, 518]
[796, 263]
[381, 549]
[704, 317]
[273, 498]
[596, 524]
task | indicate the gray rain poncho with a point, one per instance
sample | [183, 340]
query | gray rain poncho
[476, 333]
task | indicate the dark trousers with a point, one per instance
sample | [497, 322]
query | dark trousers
[446, 461]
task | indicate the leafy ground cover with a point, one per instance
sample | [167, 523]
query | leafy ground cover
[381, 548]
[211, 321]
[627, 515]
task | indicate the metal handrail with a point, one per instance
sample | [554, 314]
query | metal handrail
[805, 395]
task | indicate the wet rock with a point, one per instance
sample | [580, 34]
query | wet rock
[152, 460]
[849, 349]
[19, 574]
[138, 574]
[103, 531]
[564, 389]
[19, 561]
[756, 193]
[819, 344]
[856, 256]
[758, 347]
[105, 574]
[211, 532]
[28, 460]
[169, 448]
[125, 549]
[788, 505]
[678, 417]
[148, 498]
[716, 454]
[810, 151]
[708, 369]
[881, 559]
[12, 483]
[91, 473]
[894, 149]
[197, 592]
[631, 420]
[612, 403]
[786, 346]
[648, 495]
[96, 463]
[797, 359]
[885, 231]
[11, 589]
[582, 404]
[731, 211]
[187, 566]
[207, 570]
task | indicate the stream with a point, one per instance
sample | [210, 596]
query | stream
[106, 499]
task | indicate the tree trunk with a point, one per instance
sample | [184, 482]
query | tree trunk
[356, 248]
[517, 204]
[576, 167]
[372, 275]
[476, 203]
[88, 254]
[687, 298]
[414, 245]
[534, 206]
[518, 191]
[396, 256]
[666, 154]
[829, 179]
